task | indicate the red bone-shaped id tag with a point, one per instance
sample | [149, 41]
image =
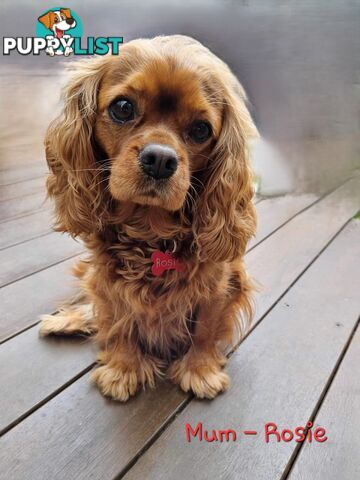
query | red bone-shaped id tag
[164, 261]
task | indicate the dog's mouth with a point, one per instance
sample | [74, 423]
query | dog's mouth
[150, 193]
[59, 33]
[153, 188]
[160, 194]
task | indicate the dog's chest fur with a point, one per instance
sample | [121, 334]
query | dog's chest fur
[160, 310]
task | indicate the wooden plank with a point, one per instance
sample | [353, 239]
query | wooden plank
[274, 212]
[27, 172]
[23, 206]
[278, 374]
[338, 457]
[17, 357]
[298, 242]
[17, 190]
[130, 437]
[19, 230]
[22, 302]
[76, 452]
[35, 255]
[24, 154]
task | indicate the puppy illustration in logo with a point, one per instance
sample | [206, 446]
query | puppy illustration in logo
[58, 21]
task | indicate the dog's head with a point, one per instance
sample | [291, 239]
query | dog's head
[164, 125]
[58, 21]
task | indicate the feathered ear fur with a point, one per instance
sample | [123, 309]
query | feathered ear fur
[225, 217]
[75, 173]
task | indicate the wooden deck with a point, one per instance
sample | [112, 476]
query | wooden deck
[299, 363]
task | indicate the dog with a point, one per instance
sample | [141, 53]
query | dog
[150, 156]
[58, 21]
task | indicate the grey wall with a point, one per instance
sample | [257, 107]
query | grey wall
[299, 62]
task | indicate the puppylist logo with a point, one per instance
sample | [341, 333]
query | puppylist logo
[59, 32]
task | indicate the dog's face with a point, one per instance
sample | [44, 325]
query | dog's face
[158, 123]
[58, 21]
[161, 127]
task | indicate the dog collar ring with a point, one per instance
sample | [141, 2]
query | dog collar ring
[174, 246]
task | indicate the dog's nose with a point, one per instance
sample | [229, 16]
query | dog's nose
[69, 21]
[158, 161]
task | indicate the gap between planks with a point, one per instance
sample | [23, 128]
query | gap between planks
[299, 447]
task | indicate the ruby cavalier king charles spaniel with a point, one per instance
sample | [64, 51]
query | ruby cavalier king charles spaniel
[149, 167]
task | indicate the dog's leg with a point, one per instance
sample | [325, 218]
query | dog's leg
[124, 369]
[200, 370]
[123, 365]
[77, 316]
[72, 320]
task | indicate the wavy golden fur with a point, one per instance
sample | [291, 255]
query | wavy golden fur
[180, 322]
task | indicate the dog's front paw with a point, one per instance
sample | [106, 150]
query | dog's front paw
[116, 383]
[203, 376]
[121, 381]
[67, 51]
[50, 51]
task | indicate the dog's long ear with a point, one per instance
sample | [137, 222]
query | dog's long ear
[225, 217]
[75, 176]
[47, 19]
[66, 12]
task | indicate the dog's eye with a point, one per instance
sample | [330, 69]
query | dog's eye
[200, 131]
[122, 110]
